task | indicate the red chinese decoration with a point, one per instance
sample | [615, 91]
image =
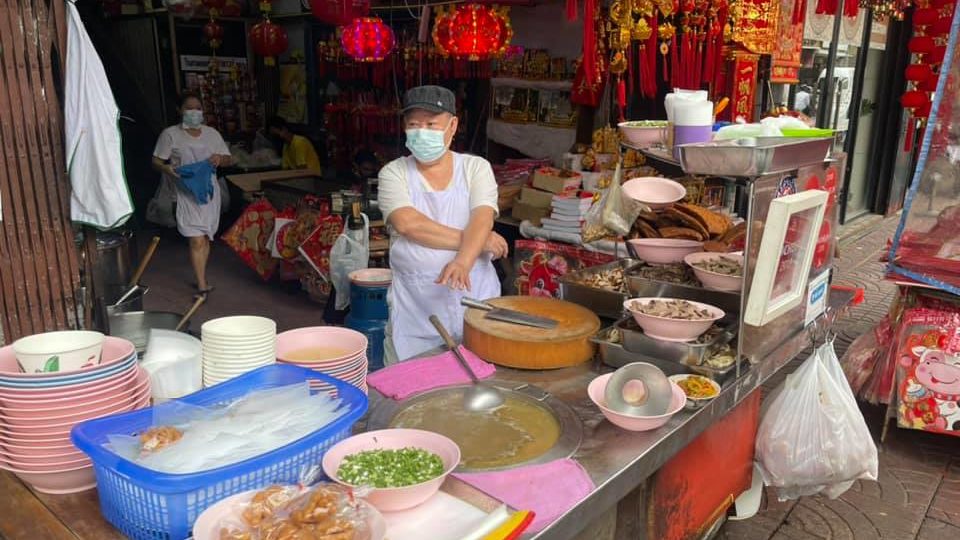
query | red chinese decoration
[268, 40]
[931, 25]
[367, 39]
[214, 7]
[473, 31]
[213, 33]
[339, 12]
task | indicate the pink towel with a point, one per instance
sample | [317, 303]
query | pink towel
[547, 490]
[414, 376]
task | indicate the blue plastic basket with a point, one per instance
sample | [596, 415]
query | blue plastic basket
[146, 504]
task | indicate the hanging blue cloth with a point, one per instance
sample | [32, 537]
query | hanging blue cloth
[198, 179]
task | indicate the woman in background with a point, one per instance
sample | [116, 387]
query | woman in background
[191, 143]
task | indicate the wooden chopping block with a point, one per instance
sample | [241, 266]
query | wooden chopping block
[525, 347]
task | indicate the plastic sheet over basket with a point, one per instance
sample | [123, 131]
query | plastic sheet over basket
[927, 246]
[212, 437]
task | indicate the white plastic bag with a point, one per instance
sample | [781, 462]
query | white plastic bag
[619, 212]
[813, 437]
[348, 254]
[613, 215]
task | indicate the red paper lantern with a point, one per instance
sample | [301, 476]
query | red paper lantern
[213, 32]
[918, 72]
[367, 39]
[914, 99]
[925, 17]
[214, 7]
[339, 12]
[474, 32]
[268, 40]
[921, 45]
[923, 111]
[232, 9]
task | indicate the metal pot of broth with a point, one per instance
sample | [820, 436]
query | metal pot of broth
[531, 427]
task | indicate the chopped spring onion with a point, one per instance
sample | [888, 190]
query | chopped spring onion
[390, 468]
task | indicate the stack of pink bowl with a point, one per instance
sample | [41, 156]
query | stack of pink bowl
[37, 411]
[338, 352]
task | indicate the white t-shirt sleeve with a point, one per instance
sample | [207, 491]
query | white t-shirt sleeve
[392, 192]
[164, 147]
[483, 185]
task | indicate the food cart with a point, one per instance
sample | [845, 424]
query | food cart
[683, 477]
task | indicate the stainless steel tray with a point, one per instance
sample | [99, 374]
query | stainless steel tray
[753, 156]
[614, 355]
[603, 302]
[643, 287]
[690, 354]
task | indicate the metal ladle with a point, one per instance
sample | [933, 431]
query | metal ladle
[479, 397]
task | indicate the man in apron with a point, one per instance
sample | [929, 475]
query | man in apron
[440, 206]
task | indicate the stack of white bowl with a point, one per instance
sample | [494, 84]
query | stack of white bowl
[233, 346]
[338, 352]
[39, 407]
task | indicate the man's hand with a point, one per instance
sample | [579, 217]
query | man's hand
[496, 245]
[216, 160]
[456, 275]
[172, 171]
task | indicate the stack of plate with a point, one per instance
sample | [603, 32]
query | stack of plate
[37, 411]
[233, 346]
[338, 352]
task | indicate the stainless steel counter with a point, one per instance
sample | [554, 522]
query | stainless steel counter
[618, 460]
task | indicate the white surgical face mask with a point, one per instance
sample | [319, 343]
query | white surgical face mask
[427, 145]
[192, 118]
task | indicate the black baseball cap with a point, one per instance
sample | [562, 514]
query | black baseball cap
[436, 99]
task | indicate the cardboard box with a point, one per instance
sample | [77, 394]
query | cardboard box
[536, 197]
[522, 211]
[556, 181]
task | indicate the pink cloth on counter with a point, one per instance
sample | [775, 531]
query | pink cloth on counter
[402, 380]
[548, 490]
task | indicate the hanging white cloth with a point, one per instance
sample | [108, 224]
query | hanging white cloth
[99, 195]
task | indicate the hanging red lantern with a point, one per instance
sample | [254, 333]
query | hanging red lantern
[474, 32]
[925, 17]
[923, 111]
[914, 99]
[367, 39]
[214, 7]
[339, 12]
[918, 72]
[268, 40]
[232, 8]
[921, 45]
[213, 33]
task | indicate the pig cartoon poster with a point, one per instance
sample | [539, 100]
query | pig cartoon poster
[929, 389]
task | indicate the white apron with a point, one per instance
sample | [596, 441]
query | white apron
[413, 295]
